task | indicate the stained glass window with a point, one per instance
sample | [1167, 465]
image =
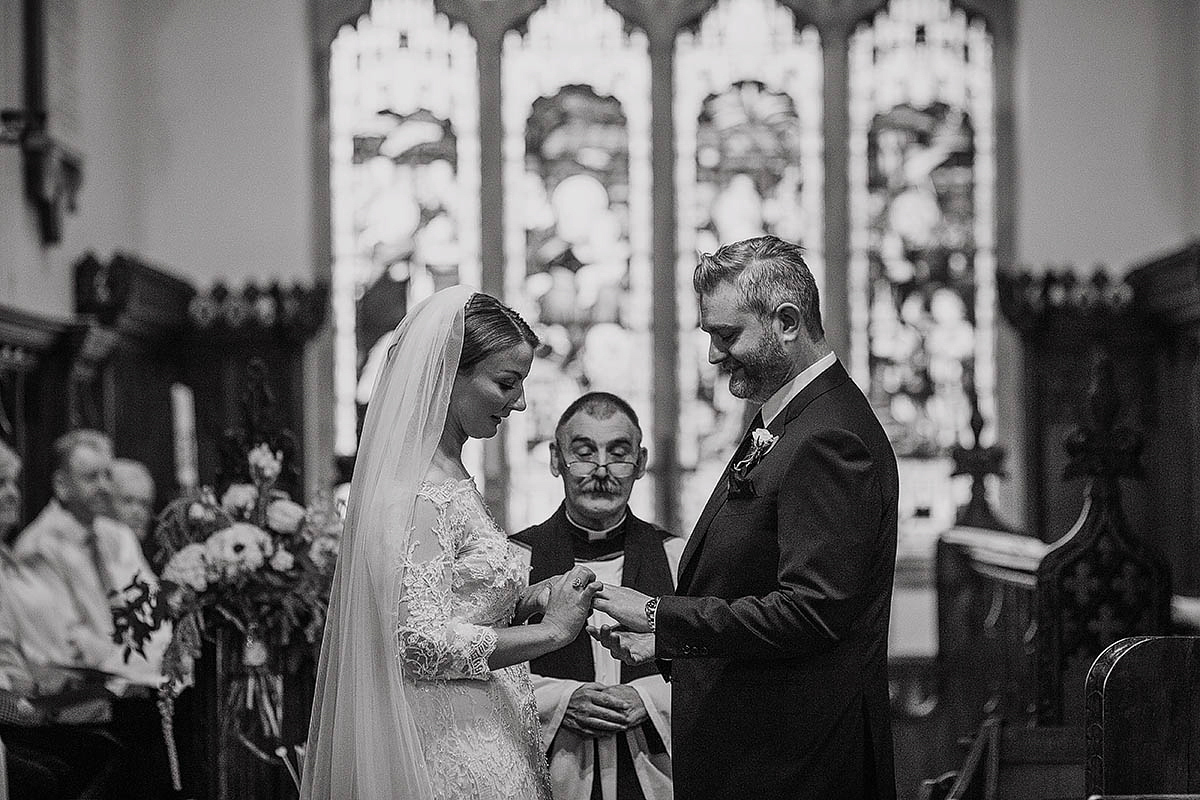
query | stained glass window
[576, 108]
[750, 115]
[749, 162]
[922, 242]
[404, 173]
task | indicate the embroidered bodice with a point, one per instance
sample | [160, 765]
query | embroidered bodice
[462, 579]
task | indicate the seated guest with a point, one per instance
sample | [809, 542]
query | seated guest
[76, 534]
[59, 753]
[54, 743]
[607, 724]
[133, 502]
[54, 626]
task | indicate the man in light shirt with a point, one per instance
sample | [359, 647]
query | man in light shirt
[76, 533]
[100, 557]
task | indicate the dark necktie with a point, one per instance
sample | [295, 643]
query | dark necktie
[93, 547]
[744, 446]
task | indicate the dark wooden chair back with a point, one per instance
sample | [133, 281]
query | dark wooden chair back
[1143, 717]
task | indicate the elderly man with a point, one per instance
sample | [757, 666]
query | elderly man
[40, 625]
[54, 628]
[75, 533]
[133, 501]
[607, 725]
[777, 634]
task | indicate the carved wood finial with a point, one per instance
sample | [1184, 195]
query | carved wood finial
[1057, 299]
[979, 462]
[1101, 447]
[1101, 581]
[261, 423]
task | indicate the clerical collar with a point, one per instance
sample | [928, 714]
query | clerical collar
[592, 534]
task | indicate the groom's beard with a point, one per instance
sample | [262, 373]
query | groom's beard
[763, 370]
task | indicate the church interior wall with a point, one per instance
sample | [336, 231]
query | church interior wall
[196, 123]
[197, 130]
[37, 278]
[1108, 155]
[226, 126]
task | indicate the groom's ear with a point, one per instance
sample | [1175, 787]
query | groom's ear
[641, 463]
[789, 321]
[554, 459]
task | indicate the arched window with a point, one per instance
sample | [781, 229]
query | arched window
[922, 267]
[575, 155]
[748, 91]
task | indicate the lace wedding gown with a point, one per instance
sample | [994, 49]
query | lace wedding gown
[478, 727]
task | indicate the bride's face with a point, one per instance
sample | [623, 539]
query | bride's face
[489, 391]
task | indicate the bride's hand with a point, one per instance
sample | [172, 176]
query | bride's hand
[533, 600]
[570, 602]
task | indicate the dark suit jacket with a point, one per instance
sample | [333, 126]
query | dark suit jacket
[778, 631]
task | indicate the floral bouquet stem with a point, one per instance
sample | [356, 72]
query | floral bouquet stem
[166, 713]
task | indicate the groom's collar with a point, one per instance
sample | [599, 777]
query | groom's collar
[777, 402]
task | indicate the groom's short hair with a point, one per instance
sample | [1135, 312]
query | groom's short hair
[767, 271]
[601, 405]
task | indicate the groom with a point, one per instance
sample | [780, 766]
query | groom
[776, 640]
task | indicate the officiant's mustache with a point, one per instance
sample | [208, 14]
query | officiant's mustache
[597, 485]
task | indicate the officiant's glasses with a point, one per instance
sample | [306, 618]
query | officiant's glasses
[618, 469]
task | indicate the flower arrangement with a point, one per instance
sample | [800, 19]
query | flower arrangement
[254, 561]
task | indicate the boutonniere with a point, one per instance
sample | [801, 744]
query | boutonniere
[761, 442]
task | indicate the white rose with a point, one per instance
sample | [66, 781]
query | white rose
[241, 547]
[762, 438]
[266, 463]
[323, 550]
[188, 567]
[239, 497]
[285, 516]
[282, 561]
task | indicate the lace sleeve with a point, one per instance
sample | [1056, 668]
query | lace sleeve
[433, 642]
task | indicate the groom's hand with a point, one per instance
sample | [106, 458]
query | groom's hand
[631, 647]
[627, 606]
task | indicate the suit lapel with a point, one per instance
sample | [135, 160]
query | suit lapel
[831, 378]
[715, 501]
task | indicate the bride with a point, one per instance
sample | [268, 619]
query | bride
[423, 687]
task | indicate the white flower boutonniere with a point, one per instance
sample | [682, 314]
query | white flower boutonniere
[761, 442]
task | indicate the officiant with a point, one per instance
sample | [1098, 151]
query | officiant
[606, 725]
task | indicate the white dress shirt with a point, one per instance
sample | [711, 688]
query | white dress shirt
[785, 394]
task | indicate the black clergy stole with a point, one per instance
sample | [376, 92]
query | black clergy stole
[555, 546]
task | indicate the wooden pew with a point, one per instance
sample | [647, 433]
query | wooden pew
[985, 606]
[1143, 723]
[1014, 763]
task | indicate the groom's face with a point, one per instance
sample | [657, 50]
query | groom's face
[743, 344]
[611, 440]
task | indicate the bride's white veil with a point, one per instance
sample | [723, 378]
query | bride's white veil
[363, 742]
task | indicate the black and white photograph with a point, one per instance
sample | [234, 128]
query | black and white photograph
[599, 399]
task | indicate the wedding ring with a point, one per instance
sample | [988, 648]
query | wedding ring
[577, 583]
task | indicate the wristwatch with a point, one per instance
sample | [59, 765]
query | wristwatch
[652, 612]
